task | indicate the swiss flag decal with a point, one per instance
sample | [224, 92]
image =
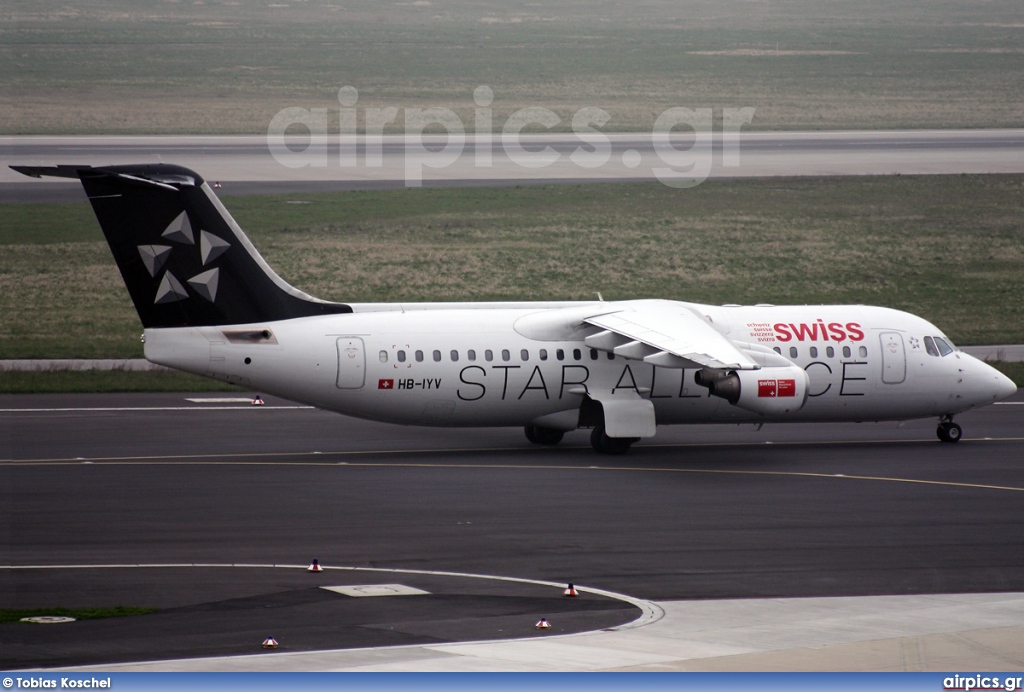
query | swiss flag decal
[385, 384]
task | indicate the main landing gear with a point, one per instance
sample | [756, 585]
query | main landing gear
[948, 431]
[599, 439]
[614, 446]
[548, 437]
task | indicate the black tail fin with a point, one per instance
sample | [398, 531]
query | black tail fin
[183, 258]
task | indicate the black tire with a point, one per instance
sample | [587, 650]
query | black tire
[955, 432]
[949, 432]
[613, 446]
[531, 434]
[617, 446]
[547, 436]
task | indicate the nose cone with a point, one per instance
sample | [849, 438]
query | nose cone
[1004, 386]
[978, 384]
[990, 383]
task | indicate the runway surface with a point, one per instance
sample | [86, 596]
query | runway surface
[247, 164]
[701, 512]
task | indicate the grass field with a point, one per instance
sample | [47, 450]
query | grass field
[946, 247]
[151, 66]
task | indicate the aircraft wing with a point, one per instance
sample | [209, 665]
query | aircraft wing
[667, 334]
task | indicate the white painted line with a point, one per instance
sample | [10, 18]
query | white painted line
[250, 407]
[1009, 403]
[222, 400]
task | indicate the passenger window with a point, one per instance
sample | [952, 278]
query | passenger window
[577, 354]
[471, 355]
[505, 355]
[830, 352]
[419, 356]
[524, 355]
[560, 354]
[543, 354]
[944, 348]
[455, 356]
[401, 356]
[383, 356]
[863, 351]
[846, 351]
[929, 346]
[814, 351]
[793, 353]
[777, 350]
[593, 354]
[437, 356]
[488, 355]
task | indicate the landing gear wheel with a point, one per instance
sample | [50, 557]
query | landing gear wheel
[614, 446]
[948, 431]
[540, 435]
[531, 434]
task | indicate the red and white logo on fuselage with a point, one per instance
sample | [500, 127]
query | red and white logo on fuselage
[776, 388]
[818, 331]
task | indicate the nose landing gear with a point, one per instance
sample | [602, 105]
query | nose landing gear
[948, 431]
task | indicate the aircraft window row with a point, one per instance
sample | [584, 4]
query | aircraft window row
[830, 352]
[937, 346]
[934, 346]
[505, 354]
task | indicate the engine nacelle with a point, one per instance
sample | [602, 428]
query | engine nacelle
[771, 391]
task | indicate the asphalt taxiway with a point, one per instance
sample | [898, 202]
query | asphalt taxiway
[225, 503]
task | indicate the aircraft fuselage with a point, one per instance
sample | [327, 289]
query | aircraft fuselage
[473, 366]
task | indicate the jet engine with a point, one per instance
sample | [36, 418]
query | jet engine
[769, 391]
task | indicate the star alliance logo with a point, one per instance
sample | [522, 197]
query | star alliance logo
[154, 257]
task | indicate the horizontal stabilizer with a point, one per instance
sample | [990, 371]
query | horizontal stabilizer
[50, 171]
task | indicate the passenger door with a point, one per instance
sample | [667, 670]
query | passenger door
[894, 358]
[351, 363]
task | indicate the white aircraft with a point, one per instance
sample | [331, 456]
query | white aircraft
[210, 305]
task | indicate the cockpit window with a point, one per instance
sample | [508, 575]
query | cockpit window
[929, 346]
[944, 348]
